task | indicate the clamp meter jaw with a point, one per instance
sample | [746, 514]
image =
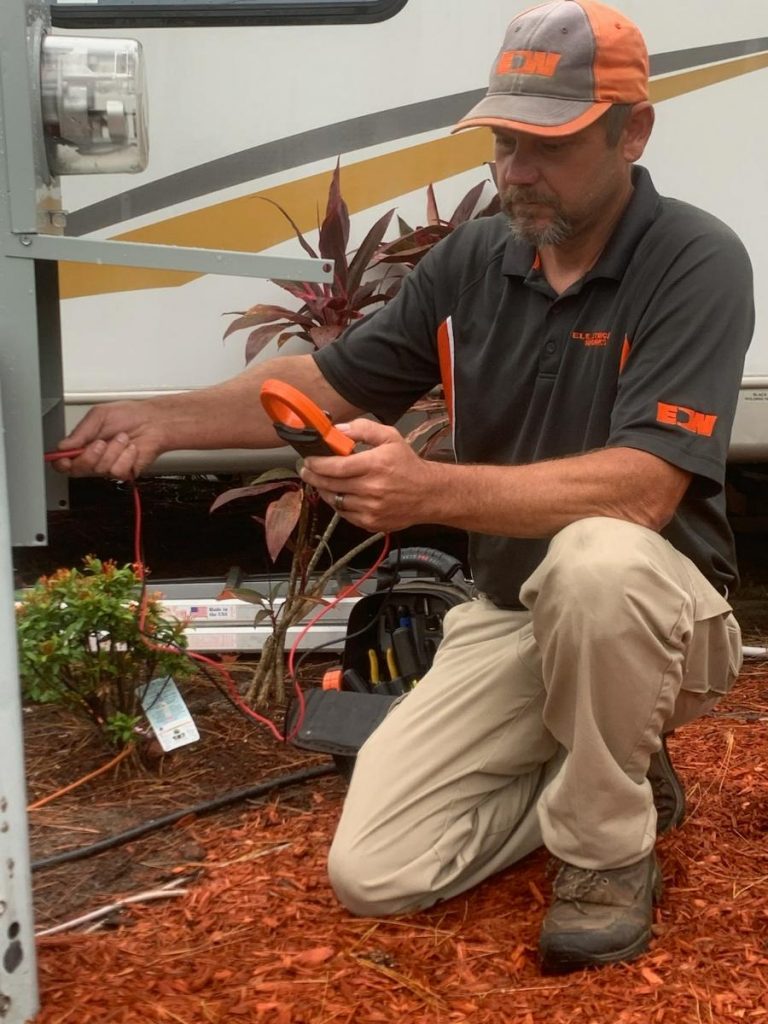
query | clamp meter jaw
[301, 423]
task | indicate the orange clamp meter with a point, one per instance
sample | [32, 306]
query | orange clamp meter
[300, 422]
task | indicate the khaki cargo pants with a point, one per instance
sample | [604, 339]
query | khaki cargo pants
[537, 727]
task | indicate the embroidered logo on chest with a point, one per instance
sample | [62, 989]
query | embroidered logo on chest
[592, 339]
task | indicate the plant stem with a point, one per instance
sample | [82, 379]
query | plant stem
[342, 562]
[269, 677]
[322, 544]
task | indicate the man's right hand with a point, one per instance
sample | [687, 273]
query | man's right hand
[120, 440]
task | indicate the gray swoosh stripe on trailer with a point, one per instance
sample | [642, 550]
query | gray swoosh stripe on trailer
[280, 155]
[330, 140]
[680, 60]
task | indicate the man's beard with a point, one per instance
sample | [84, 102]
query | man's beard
[559, 230]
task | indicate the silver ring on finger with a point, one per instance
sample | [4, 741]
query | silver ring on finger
[338, 502]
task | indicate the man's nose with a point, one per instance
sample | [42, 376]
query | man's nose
[520, 168]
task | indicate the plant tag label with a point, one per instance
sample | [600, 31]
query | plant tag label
[167, 714]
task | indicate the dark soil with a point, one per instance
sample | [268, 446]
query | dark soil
[233, 753]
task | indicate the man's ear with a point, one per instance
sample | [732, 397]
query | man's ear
[637, 131]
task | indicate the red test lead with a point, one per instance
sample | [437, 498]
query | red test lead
[55, 456]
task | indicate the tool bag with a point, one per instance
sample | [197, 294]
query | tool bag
[392, 636]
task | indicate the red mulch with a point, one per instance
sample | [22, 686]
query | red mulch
[258, 937]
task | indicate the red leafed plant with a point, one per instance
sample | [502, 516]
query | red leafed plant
[413, 244]
[327, 309]
[295, 519]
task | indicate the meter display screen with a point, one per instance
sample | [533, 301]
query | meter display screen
[93, 98]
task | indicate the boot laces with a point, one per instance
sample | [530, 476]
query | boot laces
[577, 884]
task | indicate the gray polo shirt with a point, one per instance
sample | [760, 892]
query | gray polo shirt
[646, 351]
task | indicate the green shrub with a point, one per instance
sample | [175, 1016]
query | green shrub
[80, 644]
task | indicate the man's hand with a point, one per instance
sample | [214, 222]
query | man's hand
[120, 440]
[383, 488]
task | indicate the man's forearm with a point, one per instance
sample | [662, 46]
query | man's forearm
[540, 499]
[230, 415]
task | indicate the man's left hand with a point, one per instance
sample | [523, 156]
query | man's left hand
[382, 488]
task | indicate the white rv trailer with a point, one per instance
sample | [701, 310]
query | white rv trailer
[259, 97]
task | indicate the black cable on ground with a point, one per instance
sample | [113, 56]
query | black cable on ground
[260, 789]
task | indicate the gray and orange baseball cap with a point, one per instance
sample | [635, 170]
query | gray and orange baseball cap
[561, 66]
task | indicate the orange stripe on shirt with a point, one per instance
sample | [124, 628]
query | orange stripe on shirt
[626, 348]
[445, 357]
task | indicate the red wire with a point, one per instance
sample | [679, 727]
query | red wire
[192, 655]
[55, 456]
[201, 658]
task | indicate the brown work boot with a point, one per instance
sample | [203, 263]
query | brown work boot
[599, 917]
[668, 792]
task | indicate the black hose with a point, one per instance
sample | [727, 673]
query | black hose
[260, 789]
